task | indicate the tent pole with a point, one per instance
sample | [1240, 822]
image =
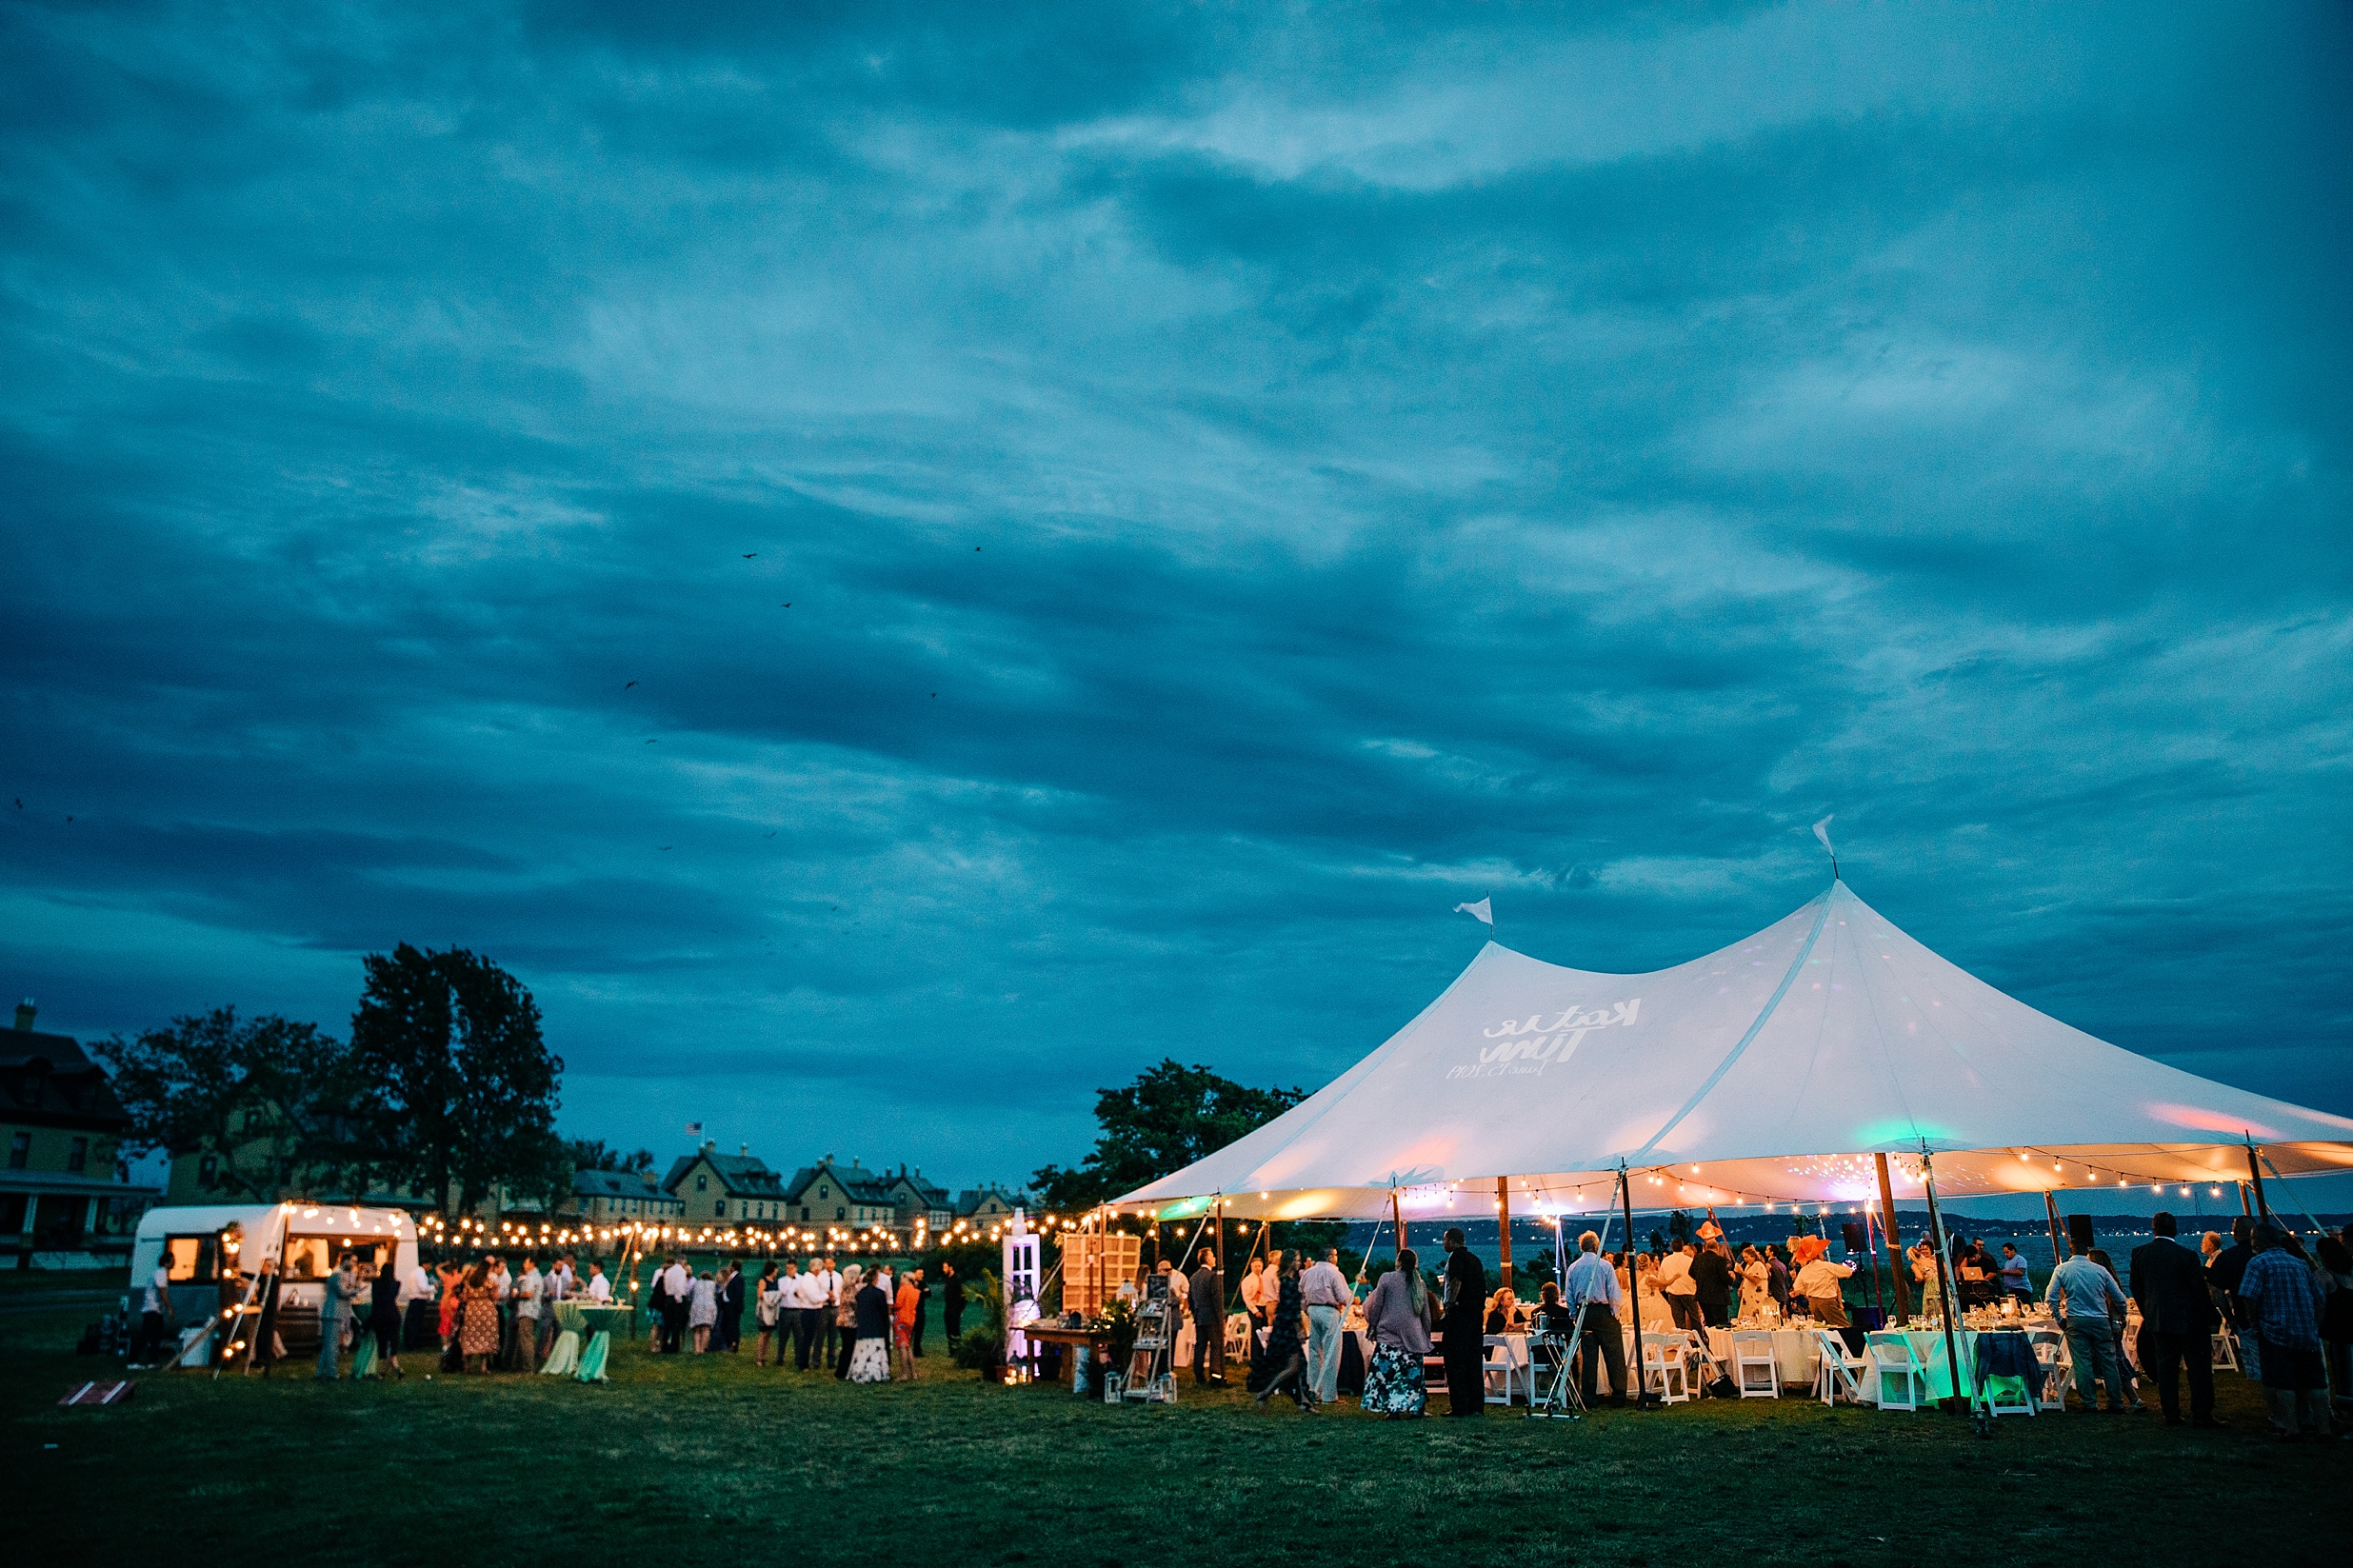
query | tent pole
[1503, 1229]
[2256, 1176]
[1895, 1244]
[1944, 1275]
[2059, 1244]
[1634, 1293]
[1397, 1218]
[2245, 1207]
[1879, 1302]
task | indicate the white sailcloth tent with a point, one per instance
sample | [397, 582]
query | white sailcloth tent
[1774, 1071]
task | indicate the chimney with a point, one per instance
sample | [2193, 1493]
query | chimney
[25, 1011]
[743, 1149]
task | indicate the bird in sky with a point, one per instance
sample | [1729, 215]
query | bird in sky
[627, 684]
[788, 604]
[669, 846]
[653, 742]
[767, 835]
[751, 555]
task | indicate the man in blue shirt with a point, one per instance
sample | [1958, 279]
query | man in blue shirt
[1591, 1290]
[2285, 1303]
[2080, 1294]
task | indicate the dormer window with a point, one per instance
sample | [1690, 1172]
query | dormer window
[702, 1183]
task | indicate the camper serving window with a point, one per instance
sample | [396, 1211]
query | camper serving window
[192, 1259]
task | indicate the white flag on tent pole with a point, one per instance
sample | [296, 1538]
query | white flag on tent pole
[1822, 831]
[1483, 910]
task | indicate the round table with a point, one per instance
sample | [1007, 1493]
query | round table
[567, 1356]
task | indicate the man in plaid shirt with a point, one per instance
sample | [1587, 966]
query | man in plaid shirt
[2286, 1300]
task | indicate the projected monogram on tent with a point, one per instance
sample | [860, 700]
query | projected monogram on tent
[1532, 1046]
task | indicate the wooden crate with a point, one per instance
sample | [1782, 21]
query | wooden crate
[1093, 1269]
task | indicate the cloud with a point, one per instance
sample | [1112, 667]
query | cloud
[1324, 473]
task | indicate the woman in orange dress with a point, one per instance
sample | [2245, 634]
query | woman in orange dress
[478, 1318]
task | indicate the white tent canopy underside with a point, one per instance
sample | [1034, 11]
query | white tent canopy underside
[1770, 1071]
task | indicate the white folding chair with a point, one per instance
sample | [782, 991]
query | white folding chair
[1903, 1377]
[1837, 1369]
[1754, 1369]
[1664, 1371]
[2056, 1364]
[1501, 1374]
[2226, 1348]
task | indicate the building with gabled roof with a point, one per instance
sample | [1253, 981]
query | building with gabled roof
[727, 1189]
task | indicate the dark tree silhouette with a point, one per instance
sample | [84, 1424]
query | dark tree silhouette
[462, 1088]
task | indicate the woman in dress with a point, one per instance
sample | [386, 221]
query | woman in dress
[1398, 1314]
[703, 1310]
[870, 1359]
[1755, 1282]
[478, 1318]
[767, 1303]
[845, 1319]
[1285, 1366]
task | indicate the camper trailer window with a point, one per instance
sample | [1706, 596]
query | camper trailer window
[307, 1257]
[191, 1259]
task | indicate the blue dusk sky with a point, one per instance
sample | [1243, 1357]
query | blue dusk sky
[898, 564]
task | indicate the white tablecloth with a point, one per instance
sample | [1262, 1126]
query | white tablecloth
[1796, 1354]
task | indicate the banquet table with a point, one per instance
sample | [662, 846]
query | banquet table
[1928, 1345]
[1796, 1353]
[586, 1343]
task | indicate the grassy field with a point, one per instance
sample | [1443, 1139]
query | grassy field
[682, 1453]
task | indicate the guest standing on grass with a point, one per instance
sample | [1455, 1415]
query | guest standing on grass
[1325, 1292]
[1593, 1293]
[417, 1321]
[951, 1303]
[829, 1294]
[2080, 1294]
[731, 1308]
[384, 1318]
[657, 1310]
[1756, 1282]
[2285, 1301]
[478, 1319]
[2176, 1323]
[907, 1312]
[767, 1300]
[923, 1296]
[869, 1357]
[844, 1316]
[1208, 1305]
[1284, 1369]
[1397, 1315]
[336, 1302]
[530, 1285]
[678, 1281]
[2117, 1321]
[1465, 1351]
[703, 1314]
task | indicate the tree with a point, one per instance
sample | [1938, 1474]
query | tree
[463, 1089]
[268, 1093]
[1169, 1117]
[589, 1154]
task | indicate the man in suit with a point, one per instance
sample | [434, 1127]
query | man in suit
[2176, 1320]
[1465, 1329]
[1208, 1307]
[951, 1302]
[1711, 1277]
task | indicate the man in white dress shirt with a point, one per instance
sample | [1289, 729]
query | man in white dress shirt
[829, 1294]
[810, 1300]
[1324, 1290]
[1591, 1290]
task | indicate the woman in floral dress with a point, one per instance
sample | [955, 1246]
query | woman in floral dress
[478, 1318]
[869, 1362]
[1398, 1314]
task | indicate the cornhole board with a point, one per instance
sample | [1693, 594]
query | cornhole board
[96, 1393]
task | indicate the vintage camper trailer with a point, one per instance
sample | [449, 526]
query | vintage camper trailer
[211, 1251]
